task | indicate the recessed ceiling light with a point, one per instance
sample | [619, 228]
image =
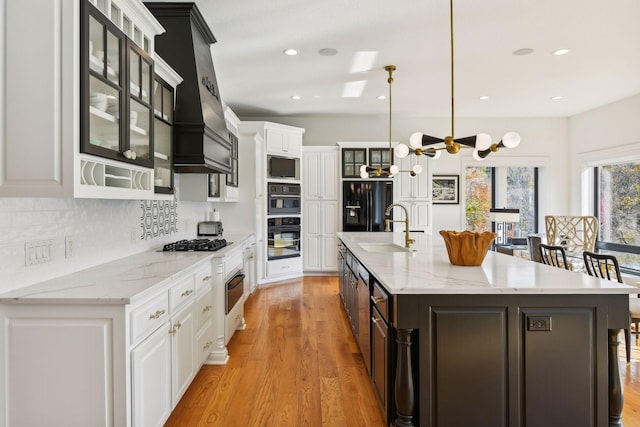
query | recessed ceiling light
[483, 97]
[296, 97]
[559, 52]
[381, 97]
[555, 98]
[522, 52]
[290, 52]
[328, 51]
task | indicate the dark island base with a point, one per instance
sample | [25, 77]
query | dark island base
[508, 360]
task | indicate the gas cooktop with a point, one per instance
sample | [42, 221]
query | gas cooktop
[202, 245]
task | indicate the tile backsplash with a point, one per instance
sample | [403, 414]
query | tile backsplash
[85, 233]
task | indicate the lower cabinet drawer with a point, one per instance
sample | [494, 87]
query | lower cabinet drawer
[149, 316]
[204, 342]
[204, 308]
[284, 266]
[181, 292]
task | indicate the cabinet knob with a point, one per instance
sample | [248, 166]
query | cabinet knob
[207, 345]
[157, 314]
[172, 331]
[374, 320]
[177, 325]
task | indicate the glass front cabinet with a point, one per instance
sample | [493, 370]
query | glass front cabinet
[163, 136]
[116, 92]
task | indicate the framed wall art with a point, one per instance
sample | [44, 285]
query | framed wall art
[446, 189]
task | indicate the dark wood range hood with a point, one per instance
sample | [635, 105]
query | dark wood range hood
[201, 142]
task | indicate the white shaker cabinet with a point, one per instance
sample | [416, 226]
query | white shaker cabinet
[183, 345]
[320, 209]
[280, 140]
[320, 180]
[414, 193]
[151, 379]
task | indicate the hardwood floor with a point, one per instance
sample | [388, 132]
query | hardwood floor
[298, 364]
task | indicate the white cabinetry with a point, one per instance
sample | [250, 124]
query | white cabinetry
[151, 379]
[282, 141]
[108, 363]
[272, 140]
[414, 193]
[417, 187]
[52, 79]
[320, 209]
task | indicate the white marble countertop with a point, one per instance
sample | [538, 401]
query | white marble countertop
[122, 281]
[426, 270]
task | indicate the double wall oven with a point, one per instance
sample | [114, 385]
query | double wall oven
[283, 224]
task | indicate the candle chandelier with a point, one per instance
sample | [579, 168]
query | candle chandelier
[387, 171]
[432, 146]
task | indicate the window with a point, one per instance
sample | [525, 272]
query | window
[617, 207]
[510, 187]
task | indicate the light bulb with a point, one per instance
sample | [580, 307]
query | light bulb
[401, 151]
[417, 169]
[363, 169]
[476, 155]
[511, 139]
[364, 174]
[415, 140]
[483, 141]
[394, 169]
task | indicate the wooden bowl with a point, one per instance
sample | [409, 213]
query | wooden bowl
[467, 247]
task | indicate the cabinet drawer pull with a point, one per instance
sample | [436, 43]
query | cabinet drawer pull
[207, 345]
[187, 293]
[206, 278]
[172, 331]
[374, 320]
[177, 325]
[377, 300]
[157, 314]
[207, 308]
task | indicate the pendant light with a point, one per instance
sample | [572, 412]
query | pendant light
[421, 144]
[389, 171]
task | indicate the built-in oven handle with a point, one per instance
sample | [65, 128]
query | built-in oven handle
[235, 280]
[291, 196]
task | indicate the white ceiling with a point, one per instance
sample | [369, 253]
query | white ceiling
[257, 79]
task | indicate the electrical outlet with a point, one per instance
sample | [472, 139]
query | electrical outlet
[68, 247]
[38, 252]
[539, 323]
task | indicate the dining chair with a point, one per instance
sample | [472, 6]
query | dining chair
[606, 266]
[553, 255]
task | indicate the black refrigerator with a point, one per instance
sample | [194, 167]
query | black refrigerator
[364, 203]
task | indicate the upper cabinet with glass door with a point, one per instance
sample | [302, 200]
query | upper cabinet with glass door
[163, 134]
[116, 90]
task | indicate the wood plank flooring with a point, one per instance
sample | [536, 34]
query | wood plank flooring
[298, 364]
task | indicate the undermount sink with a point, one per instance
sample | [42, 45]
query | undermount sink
[382, 247]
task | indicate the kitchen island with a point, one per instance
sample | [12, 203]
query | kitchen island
[507, 343]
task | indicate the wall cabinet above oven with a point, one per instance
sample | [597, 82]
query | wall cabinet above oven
[81, 122]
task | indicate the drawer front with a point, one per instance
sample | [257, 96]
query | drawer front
[204, 308]
[204, 278]
[204, 343]
[380, 300]
[181, 292]
[149, 316]
[284, 266]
